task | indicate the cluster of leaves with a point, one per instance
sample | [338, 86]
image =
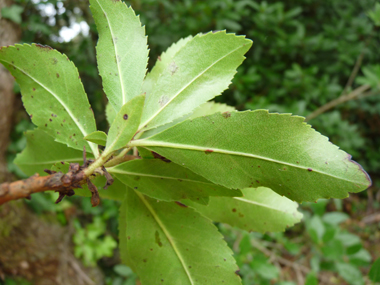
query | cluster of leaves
[219, 158]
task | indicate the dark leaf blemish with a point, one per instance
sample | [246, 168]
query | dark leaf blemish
[309, 169]
[180, 204]
[125, 117]
[208, 151]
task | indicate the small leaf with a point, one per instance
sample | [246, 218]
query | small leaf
[350, 273]
[125, 125]
[97, 137]
[255, 148]
[12, 13]
[42, 152]
[168, 181]
[171, 243]
[122, 51]
[374, 273]
[276, 212]
[200, 70]
[52, 93]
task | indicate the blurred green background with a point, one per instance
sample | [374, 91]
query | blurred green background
[305, 55]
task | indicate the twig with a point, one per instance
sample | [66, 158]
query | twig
[62, 183]
[340, 100]
[354, 72]
[298, 268]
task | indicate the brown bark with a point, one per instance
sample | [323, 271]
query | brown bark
[9, 35]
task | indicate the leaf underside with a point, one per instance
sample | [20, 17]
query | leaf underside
[125, 124]
[168, 181]
[42, 152]
[255, 148]
[169, 243]
[259, 210]
[122, 51]
[199, 69]
[205, 109]
[48, 78]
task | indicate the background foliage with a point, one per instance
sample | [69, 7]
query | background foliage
[302, 57]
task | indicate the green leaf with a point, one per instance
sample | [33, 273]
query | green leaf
[374, 273]
[168, 181]
[170, 243]
[42, 152]
[350, 273]
[161, 64]
[205, 109]
[122, 51]
[259, 210]
[200, 70]
[97, 137]
[374, 15]
[255, 148]
[110, 114]
[335, 218]
[311, 279]
[53, 93]
[125, 124]
[12, 13]
[124, 254]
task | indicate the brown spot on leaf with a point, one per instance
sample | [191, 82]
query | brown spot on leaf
[234, 210]
[226, 115]
[57, 75]
[208, 151]
[309, 169]
[159, 58]
[125, 117]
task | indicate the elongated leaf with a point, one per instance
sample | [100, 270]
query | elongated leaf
[125, 124]
[168, 181]
[255, 148]
[198, 72]
[42, 152]
[122, 51]
[123, 231]
[162, 62]
[97, 137]
[205, 109]
[53, 93]
[110, 114]
[170, 243]
[260, 210]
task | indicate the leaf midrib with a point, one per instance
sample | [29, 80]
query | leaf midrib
[116, 54]
[58, 99]
[261, 205]
[52, 162]
[166, 232]
[153, 143]
[115, 170]
[187, 85]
